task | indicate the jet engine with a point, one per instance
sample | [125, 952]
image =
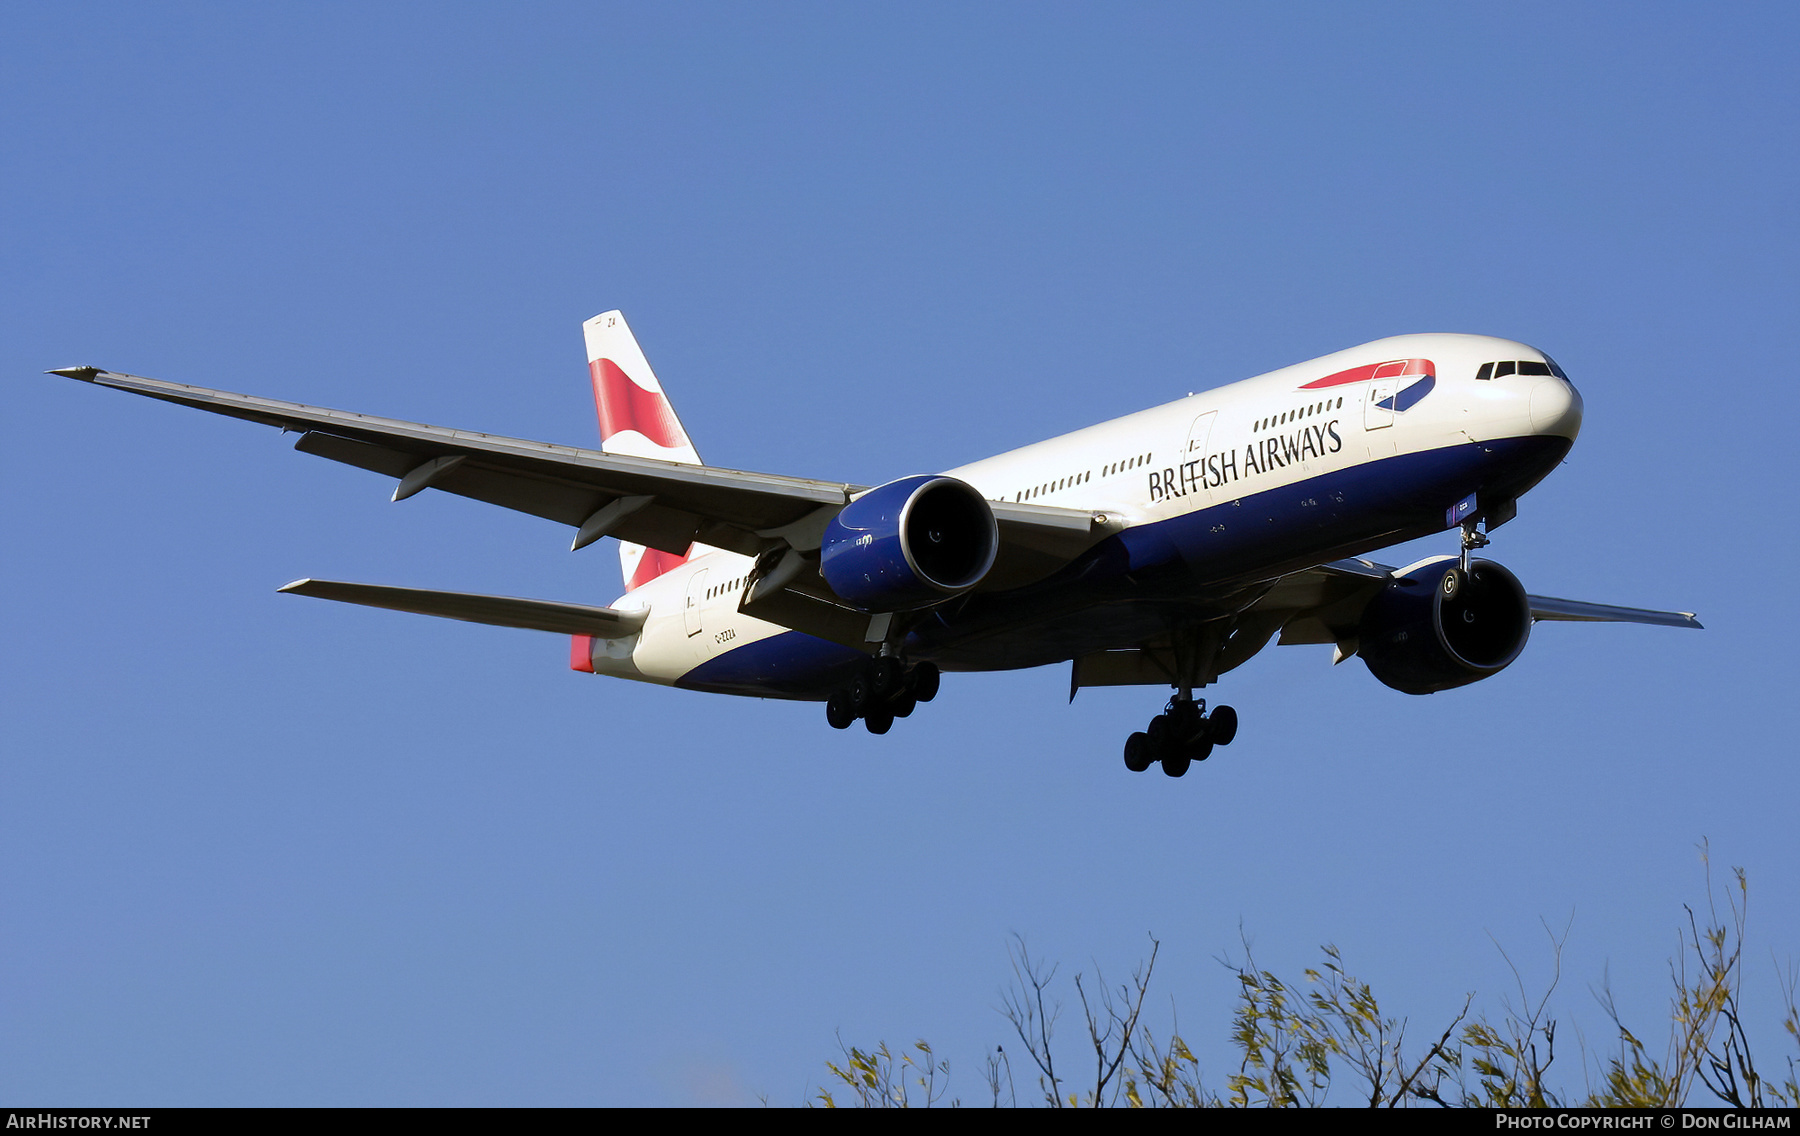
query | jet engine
[1435, 628]
[909, 544]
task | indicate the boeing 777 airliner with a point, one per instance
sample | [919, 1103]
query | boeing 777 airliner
[1159, 549]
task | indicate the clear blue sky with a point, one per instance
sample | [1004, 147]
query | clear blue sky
[264, 850]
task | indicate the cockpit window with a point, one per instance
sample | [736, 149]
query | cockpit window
[1521, 367]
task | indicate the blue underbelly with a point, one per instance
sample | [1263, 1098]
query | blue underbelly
[1133, 586]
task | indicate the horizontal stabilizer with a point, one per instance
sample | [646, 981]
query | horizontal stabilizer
[1575, 611]
[500, 611]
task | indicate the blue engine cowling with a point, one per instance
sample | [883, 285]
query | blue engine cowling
[1417, 640]
[909, 544]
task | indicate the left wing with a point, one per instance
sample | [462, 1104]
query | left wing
[664, 505]
[1323, 604]
[1327, 604]
[1549, 608]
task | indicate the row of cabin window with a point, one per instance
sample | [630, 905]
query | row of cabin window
[1128, 463]
[1303, 412]
[721, 589]
[1521, 367]
[1080, 478]
[1053, 486]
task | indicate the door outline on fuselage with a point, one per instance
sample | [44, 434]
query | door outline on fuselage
[1384, 384]
[1198, 438]
[691, 612]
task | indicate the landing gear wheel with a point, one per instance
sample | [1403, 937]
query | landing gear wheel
[1452, 584]
[924, 681]
[862, 693]
[878, 721]
[839, 712]
[903, 705]
[1175, 764]
[1158, 735]
[1222, 725]
[1199, 750]
[886, 676]
[1137, 752]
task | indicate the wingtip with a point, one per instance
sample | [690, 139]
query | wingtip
[295, 585]
[85, 374]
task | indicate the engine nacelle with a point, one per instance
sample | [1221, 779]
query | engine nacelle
[909, 544]
[1417, 639]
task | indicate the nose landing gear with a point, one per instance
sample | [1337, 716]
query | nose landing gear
[1181, 735]
[883, 690]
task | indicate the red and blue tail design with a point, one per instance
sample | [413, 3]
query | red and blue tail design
[636, 420]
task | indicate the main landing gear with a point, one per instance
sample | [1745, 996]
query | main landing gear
[883, 690]
[1181, 735]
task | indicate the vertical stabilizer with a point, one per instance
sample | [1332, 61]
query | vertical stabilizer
[635, 420]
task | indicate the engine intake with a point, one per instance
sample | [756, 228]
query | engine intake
[1418, 639]
[909, 544]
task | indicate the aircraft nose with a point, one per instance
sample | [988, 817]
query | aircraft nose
[1555, 408]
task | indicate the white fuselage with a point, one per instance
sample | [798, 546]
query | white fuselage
[1212, 448]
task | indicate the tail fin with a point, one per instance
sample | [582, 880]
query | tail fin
[635, 420]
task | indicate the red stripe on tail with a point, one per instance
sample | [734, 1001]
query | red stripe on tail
[623, 405]
[654, 563]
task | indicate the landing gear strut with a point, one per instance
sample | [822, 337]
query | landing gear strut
[1456, 579]
[1184, 732]
[1181, 735]
[884, 689]
[1472, 538]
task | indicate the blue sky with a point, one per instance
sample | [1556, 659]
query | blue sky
[265, 850]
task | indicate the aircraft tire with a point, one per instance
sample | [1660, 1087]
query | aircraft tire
[924, 681]
[903, 705]
[1175, 764]
[1199, 750]
[838, 711]
[1159, 736]
[886, 676]
[1452, 584]
[878, 721]
[1137, 752]
[862, 693]
[1222, 723]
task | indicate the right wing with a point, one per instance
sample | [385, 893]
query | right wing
[660, 504]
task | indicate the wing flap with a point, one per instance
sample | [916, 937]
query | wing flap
[498, 611]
